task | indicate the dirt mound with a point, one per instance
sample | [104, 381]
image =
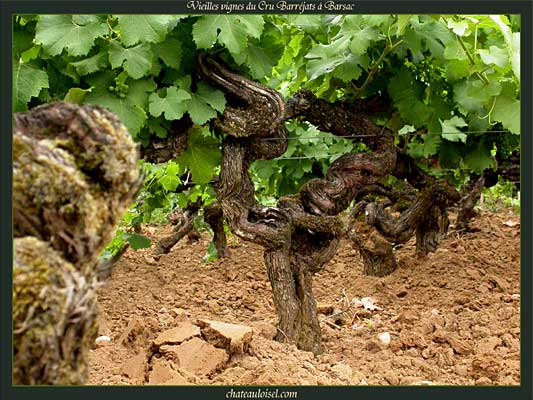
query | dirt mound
[451, 318]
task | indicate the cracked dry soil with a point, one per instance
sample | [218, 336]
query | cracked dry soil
[453, 317]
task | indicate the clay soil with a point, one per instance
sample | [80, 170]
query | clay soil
[453, 317]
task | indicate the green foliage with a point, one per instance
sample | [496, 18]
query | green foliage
[211, 253]
[137, 241]
[202, 155]
[454, 83]
[230, 31]
[74, 33]
[309, 152]
[500, 196]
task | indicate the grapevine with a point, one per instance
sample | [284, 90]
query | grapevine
[432, 93]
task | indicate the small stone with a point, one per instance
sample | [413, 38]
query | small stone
[392, 378]
[324, 308]
[498, 283]
[373, 346]
[441, 336]
[178, 380]
[177, 335]
[199, 357]
[401, 292]
[358, 377]
[483, 381]
[384, 338]
[407, 316]
[460, 250]
[510, 342]
[412, 339]
[234, 338]
[488, 365]
[268, 331]
[487, 345]
[410, 380]
[162, 372]
[214, 307]
[308, 366]
[343, 371]
[150, 260]
[426, 353]
[461, 370]
[102, 341]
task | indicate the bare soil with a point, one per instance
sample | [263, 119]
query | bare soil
[453, 317]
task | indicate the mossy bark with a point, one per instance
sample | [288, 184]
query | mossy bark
[75, 172]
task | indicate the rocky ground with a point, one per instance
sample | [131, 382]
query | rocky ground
[451, 318]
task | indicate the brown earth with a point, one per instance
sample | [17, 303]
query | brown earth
[453, 317]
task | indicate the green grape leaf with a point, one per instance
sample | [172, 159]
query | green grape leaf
[184, 83]
[450, 131]
[460, 28]
[28, 81]
[131, 115]
[137, 60]
[494, 56]
[139, 91]
[261, 56]
[173, 105]
[144, 28]
[512, 40]
[434, 35]
[75, 33]
[457, 69]
[170, 183]
[407, 95]
[169, 51]
[429, 147]
[205, 103]
[156, 127]
[211, 253]
[515, 54]
[22, 41]
[454, 51]
[359, 32]
[91, 64]
[472, 95]
[31, 53]
[351, 68]
[214, 97]
[137, 241]
[199, 110]
[76, 95]
[450, 154]
[231, 31]
[406, 129]
[478, 158]
[325, 58]
[172, 168]
[202, 155]
[309, 23]
[401, 24]
[507, 111]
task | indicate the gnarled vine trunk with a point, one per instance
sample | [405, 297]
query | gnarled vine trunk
[302, 233]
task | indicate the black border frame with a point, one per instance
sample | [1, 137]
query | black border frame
[8, 391]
